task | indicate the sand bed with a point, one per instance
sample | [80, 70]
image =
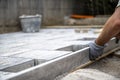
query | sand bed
[109, 65]
[105, 69]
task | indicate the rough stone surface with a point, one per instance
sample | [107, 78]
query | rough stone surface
[109, 65]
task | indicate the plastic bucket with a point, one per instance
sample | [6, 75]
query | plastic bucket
[30, 23]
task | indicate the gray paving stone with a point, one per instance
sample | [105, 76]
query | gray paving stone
[49, 46]
[11, 64]
[77, 45]
[53, 68]
[42, 55]
[38, 46]
[3, 75]
[11, 45]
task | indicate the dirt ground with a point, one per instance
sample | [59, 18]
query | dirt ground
[105, 69]
[110, 65]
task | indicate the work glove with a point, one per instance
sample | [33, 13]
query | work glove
[116, 40]
[95, 51]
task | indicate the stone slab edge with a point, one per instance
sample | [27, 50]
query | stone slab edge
[49, 70]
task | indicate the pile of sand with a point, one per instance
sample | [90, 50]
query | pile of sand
[105, 69]
[89, 74]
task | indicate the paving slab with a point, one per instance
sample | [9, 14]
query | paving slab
[12, 51]
[11, 64]
[43, 46]
[109, 65]
[48, 46]
[51, 69]
[11, 45]
[42, 55]
[76, 36]
[80, 44]
[3, 75]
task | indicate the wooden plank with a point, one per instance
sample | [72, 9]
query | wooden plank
[15, 64]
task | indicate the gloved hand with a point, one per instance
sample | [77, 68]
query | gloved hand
[116, 40]
[95, 51]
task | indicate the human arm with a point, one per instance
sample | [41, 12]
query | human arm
[110, 29]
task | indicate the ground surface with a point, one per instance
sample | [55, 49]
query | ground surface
[49, 44]
[110, 65]
[40, 47]
[105, 69]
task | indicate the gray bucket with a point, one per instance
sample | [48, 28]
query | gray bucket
[30, 23]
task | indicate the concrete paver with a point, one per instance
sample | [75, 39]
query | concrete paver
[5, 74]
[11, 64]
[43, 55]
[21, 50]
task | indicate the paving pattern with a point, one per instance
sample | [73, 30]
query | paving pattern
[105, 69]
[30, 49]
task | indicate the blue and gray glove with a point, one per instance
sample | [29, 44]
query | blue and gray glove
[95, 50]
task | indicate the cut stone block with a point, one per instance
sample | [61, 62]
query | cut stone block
[11, 64]
[11, 48]
[83, 36]
[3, 75]
[61, 45]
[67, 48]
[42, 55]
[44, 46]
[77, 45]
[12, 51]
[89, 74]
[11, 45]
[53, 68]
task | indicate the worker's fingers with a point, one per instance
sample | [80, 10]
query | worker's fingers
[91, 56]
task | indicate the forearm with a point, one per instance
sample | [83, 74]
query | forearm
[107, 32]
[111, 28]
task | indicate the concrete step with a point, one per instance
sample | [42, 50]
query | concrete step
[41, 54]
